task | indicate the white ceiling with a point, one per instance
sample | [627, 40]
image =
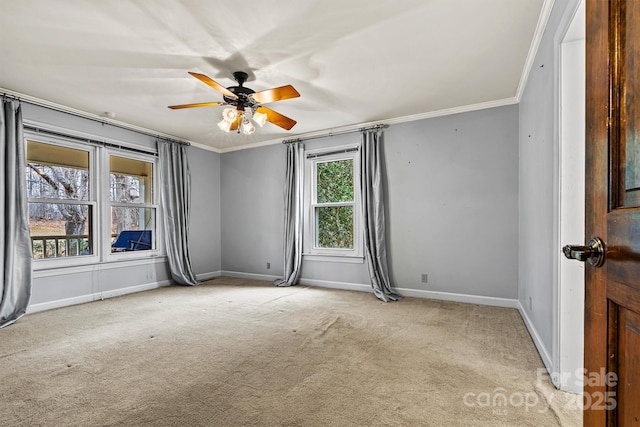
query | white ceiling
[354, 62]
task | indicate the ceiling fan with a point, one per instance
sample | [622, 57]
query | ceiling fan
[245, 103]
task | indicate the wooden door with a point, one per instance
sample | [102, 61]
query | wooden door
[612, 304]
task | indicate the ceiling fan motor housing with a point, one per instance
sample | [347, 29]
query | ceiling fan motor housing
[241, 92]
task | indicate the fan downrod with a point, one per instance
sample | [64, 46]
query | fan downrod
[240, 77]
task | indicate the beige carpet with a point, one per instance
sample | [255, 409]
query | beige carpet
[244, 353]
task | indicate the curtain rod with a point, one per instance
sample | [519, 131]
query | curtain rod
[87, 140]
[8, 96]
[330, 134]
[329, 153]
[87, 117]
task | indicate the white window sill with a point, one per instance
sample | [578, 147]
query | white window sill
[333, 258]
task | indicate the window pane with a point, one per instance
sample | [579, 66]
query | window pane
[130, 180]
[57, 172]
[132, 229]
[334, 227]
[60, 230]
[335, 181]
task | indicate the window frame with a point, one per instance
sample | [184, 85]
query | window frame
[99, 201]
[92, 202]
[108, 204]
[311, 159]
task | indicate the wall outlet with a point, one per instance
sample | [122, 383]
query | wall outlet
[530, 304]
[424, 278]
[268, 265]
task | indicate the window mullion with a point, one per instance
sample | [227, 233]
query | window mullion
[60, 201]
[133, 205]
[334, 204]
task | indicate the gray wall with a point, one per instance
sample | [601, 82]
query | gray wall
[204, 228]
[539, 145]
[252, 210]
[452, 207]
[453, 202]
[76, 284]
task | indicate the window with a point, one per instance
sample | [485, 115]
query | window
[332, 202]
[61, 200]
[83, 212]
[133, 214]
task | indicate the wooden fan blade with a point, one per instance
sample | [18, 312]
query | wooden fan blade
[236, 123]
[275, 94]
[276, 118]
[200, 104]
[217, 86]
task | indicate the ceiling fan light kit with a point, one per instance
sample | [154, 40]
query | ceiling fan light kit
[245, 104]
[232, 115]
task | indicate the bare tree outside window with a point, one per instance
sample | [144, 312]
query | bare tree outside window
[124, 189]
[58, 182]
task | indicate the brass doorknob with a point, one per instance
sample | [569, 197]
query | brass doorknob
[593, 252]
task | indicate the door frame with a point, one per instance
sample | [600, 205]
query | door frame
[568, 350]
[565, 362]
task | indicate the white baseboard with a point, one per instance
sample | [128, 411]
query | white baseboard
[50, 305]
[416, 293]
[202, 277]
[251, 276]
[464, 298]
[336, 285]
[301, 281]
[535, 336]
[443, 296]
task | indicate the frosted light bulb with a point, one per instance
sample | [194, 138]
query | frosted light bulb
[229, 114]
[248, 128]
[224, 125]
[260, 118]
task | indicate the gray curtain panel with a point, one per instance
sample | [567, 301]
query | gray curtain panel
[175, 192]
[292, 216]
[15, 244]
[375, 246]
